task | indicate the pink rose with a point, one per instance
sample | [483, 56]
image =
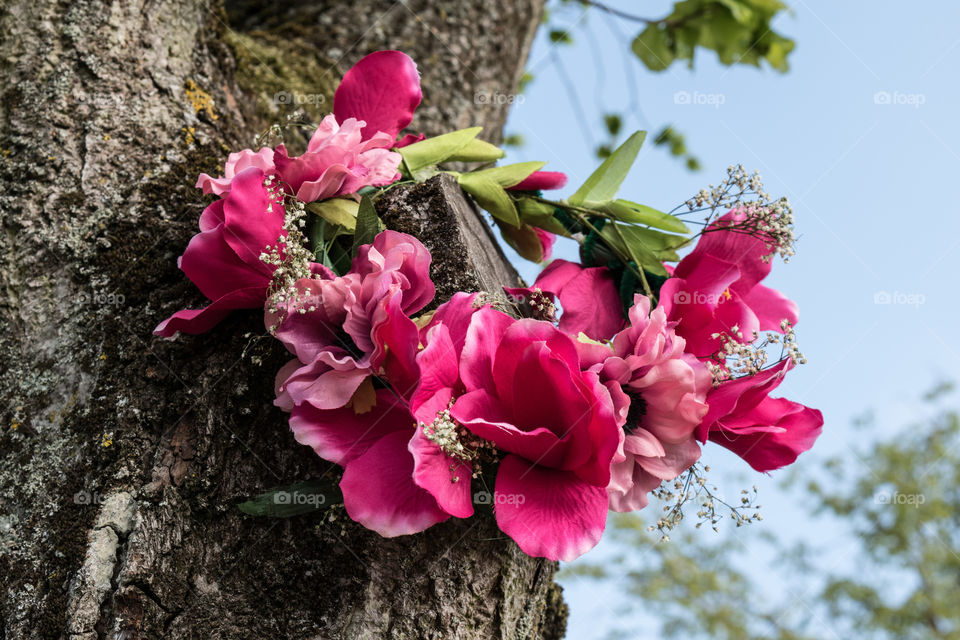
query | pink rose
[717, 287]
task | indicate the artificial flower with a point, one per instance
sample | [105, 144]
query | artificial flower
[716, 289]
[223, 260]
[768, 433]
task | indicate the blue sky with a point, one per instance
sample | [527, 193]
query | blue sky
[861, 134]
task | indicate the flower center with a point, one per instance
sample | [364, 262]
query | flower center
[638, 409]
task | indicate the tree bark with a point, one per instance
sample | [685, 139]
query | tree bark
[124, 457]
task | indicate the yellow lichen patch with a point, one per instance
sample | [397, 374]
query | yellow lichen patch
[189, 135]
[106, 440]
[14, 425]
[7, 152]
[106, 136]
[103, 356]
[199, 99]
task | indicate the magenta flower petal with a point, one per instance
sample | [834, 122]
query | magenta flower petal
[549, 513]
[379, 491]
[589, 297]
[547, 240]
[541, 181]
[194, 321]
[771, 307]
[768, 433]
[447, 479]
[252, 220]
[342, 435]
[382, 89]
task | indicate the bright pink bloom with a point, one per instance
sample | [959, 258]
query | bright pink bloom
[383, 90]
[378, 478]
[541, 181]
[338, 161]
[445, 476]
[357, 325]
[526, 393]
[589, 298]
[718, 287]
[659, 393]
[223, 260]
[237, 162]
[769, 433]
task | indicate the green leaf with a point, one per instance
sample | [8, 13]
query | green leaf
[432, 151]
[614, 123]
[491, 196]
[510, 174]
[341, 211]
[603, 184]
[633, 246]
[368, 225]
[627, 211]
[294, 500]
[653, 48]
[524, 241]
[477, 151]
[560, 36]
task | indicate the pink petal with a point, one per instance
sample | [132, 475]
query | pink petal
[194, 321]
[342, 435]
[549, 513]
[771, 307]
[541, 181]
[446, 478]
[379, 491]
[252, 220]
[383, 89]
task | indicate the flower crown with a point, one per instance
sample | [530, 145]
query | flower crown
[486, 400]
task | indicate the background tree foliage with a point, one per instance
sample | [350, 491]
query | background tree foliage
[899, 499]
[739, 32]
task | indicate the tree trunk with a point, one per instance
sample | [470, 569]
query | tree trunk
[123, 456]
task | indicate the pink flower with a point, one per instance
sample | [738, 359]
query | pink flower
[378, 469]
[383, 90]
[659, 393]
[237, 162]
[525, 393]
[717, 287]
[338, 161]
[223, 260]
[541, 181]
[444, 473]
[344, 329]
[769, 433]
[589, 298]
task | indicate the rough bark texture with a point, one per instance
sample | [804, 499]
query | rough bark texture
[122, 458]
